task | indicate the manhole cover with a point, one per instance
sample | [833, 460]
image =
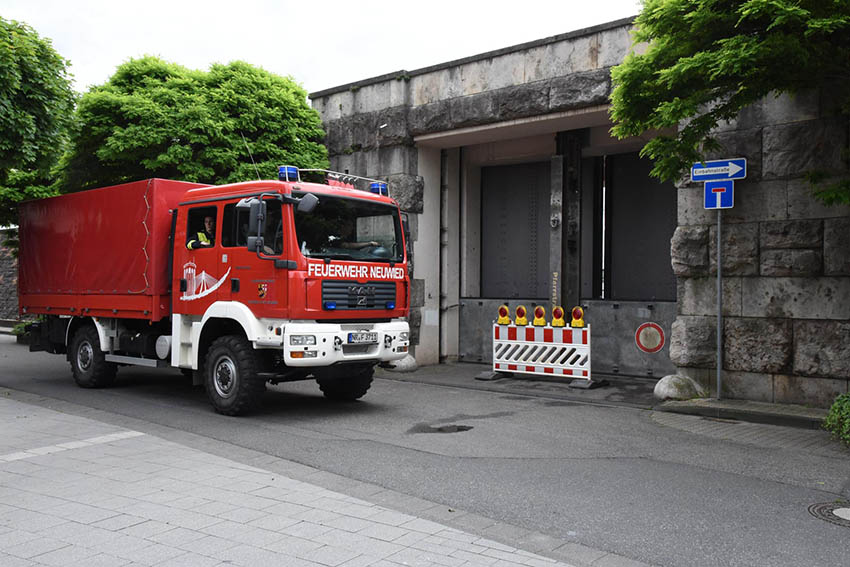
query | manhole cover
[833, 512]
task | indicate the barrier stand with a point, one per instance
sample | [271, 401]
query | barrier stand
[542, 349]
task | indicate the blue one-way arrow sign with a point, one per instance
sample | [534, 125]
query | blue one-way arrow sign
[733, 168]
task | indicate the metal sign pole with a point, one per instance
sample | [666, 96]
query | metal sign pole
[719, 308]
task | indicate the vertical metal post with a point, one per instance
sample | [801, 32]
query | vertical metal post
[719, 308]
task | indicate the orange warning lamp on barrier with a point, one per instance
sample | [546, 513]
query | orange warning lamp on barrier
[539, 317]
[503, 316]
[578, 317]
[521, 318]
[558, 317]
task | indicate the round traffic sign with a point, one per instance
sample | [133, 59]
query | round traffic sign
[649, 337]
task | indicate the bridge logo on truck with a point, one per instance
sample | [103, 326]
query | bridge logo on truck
[199, 285]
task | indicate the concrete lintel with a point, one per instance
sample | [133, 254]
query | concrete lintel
[520, 127]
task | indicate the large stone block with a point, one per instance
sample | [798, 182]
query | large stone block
[802, 203]
[791, 234]
[689, 251]
[757, 345]
[579, 90]
[690, 207]
[740, 249]
[429, 118]
[408, 191]
[693, 341]
[777, 109]
[758, 201]
[523, 100]
[472, 110]
[793, 149]
[752, 386]
[836, 246]
[791, 263]
[391, 127]
[822, 348]
[698, 296]
[797, 298]
[804, 390]
[741, 143]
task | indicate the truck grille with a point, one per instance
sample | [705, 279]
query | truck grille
[353, 295]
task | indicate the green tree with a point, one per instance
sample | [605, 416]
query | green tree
[36, 105]
[157, 119]
[705, 60]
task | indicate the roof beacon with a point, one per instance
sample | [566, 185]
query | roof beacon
[287, 173]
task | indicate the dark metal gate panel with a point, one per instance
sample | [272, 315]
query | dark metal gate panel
[515, 231]
[641, 220]
[613, 325]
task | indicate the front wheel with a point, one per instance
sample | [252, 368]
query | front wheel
[88, 362]
[347, 386]
[230, 376]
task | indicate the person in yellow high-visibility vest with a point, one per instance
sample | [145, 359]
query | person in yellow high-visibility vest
[204, 238]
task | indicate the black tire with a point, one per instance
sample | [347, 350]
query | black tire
[347, 386]
[88, 363]
[230, 376]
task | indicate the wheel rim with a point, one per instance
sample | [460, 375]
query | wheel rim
[85, 354]
[225, 377]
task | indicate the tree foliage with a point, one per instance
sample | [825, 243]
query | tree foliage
[705, 60]
[36, 103]
[157, 119]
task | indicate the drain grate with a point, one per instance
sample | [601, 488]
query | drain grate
[833, 512]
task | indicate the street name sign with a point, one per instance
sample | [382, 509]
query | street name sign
[733, 168]
[720, 194]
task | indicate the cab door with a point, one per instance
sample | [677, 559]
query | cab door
[198, 270]
[253, 278]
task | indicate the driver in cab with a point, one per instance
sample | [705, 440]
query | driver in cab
[204, 238]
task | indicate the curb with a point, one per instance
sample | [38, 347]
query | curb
[745, 412]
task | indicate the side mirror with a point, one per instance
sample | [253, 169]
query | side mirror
[307, 203]
[256, 216]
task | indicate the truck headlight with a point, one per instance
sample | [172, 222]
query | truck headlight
[403, 336]
[302, 340]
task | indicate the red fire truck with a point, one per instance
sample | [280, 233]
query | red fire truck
[297, 280]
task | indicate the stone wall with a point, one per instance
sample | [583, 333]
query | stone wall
[786, 262]
[8, 281]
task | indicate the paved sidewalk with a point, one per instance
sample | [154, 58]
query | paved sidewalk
[75, 491]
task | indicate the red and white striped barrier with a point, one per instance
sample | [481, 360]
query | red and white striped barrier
[558, 351]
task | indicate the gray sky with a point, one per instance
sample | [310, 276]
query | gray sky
[320, 44]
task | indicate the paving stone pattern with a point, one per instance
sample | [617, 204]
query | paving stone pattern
[74, 491]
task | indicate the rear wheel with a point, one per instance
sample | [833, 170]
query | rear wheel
[230, 376]
[88, 362]
[348, 385]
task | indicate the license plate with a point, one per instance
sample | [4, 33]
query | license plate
[362, 338]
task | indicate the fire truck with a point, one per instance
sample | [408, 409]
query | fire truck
[301, 278]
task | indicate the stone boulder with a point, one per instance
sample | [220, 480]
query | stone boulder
[678, 387]
[406, 364]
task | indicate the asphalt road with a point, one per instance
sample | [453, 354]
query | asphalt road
[605, 477]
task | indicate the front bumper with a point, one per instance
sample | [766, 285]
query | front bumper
[332, 346]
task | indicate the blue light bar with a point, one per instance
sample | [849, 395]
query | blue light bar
[390, 304]
[287, 173]
[379, 188]
[330, 305]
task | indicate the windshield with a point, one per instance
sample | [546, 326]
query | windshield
[350, 229]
